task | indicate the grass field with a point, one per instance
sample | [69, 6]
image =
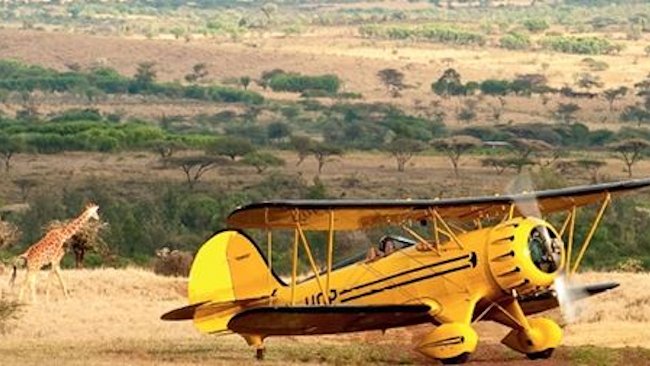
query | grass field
[113, 315]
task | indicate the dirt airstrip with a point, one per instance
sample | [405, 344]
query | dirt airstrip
[112, 317]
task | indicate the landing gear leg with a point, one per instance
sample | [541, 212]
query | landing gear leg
[256, 341]
[259, 353]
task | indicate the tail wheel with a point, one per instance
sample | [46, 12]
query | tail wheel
[462, 358]
[541, 355]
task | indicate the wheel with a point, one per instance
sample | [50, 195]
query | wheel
[462, 358]
[541, 355]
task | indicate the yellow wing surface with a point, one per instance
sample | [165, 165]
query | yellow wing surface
[359, 214]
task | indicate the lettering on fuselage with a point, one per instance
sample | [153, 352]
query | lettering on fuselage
[318, 298]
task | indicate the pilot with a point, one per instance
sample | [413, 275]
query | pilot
[387, 245]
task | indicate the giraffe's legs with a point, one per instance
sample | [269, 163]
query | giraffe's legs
[57, 270]
[30, 281]
[47, 285]
[31, 277]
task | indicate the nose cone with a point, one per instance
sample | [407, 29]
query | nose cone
[525, 255]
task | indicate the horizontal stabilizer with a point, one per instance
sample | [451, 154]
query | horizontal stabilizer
[184, 313]
[547, 300]
[210, 308]
[309, 320]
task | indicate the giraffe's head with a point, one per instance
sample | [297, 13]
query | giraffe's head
[91, 211]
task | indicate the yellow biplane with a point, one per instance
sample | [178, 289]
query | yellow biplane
[503, 268]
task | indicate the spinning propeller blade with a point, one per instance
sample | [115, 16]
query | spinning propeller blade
[565, 291]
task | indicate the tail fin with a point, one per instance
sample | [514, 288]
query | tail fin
[229, 267]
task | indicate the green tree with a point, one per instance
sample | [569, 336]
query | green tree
[277, 131]
[393, 80]
[324, 153]
[403, 150]
[302, 145]
[9, 147]
[166, 147]
[495, 87]
[194, 167]
[449, 84]
[262, 161]
[635, 113]
[455, 147]
[145, 75]
[245, 81]
[565, 111]
[630, 151]
[198, 74]
[231, 147]
[612, 94]
[587, 81]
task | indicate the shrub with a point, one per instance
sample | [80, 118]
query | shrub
[579, 45]
[633, 265]
[172, 263]
[9, 311]
[430, 33]
[515, 41]
[297, 83]
[535, 25]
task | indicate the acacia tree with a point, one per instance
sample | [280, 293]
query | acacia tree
[500, 164]
[565, 111]
[302, 145]
[393, 80]
[166, 148]
[324, 153]
[195, 167]
[262, 161]
[449, 84]
[403, 150]
[587, 81]
[611, 95]
[199, 72]
[630, 151]
[9, 147]
[245, 81]
[145, 74]
[231, 147]
[455, 147]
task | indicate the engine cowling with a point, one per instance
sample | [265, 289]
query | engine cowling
[525, 255]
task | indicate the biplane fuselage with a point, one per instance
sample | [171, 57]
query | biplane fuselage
[503, 273]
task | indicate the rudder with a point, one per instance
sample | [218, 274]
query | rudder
[229, 267]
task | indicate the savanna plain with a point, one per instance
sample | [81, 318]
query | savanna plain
[169, 115]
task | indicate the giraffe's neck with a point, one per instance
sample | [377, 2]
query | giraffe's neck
[70, 229]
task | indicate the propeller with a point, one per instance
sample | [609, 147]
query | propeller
[565, 291]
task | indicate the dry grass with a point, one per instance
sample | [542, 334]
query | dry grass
[112, 317]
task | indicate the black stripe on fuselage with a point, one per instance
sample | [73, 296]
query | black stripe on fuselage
[441, 263]
[408, 282]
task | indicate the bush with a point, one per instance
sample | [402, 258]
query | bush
[515, 41]
[297, 83]
[9, 311]
[430, 33]
[172, 263]
[579, 45]
[535, 25]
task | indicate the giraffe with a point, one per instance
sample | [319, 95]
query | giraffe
[49, 250]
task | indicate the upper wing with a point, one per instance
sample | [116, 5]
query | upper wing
[309, 320]
[358, 214]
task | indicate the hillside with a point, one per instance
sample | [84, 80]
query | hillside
[113, 317]
[335, 50]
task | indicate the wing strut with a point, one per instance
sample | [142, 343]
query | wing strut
[590, 235]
